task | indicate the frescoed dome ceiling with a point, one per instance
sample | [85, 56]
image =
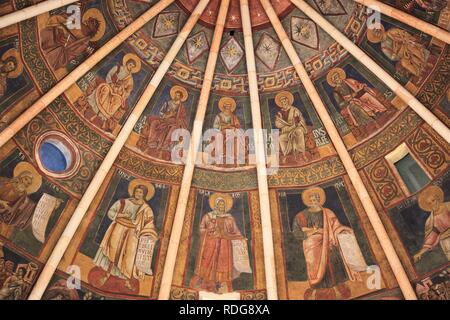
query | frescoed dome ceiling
[109, 140]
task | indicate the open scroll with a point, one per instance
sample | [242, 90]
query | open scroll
[44, 209]
[144, 254]
[351, 252]
[241, 262]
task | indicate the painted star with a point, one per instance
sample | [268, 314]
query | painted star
[168, 22]
[198, 42]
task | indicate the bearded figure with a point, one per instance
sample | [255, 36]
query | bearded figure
[62, 43]
[16, 208]
[10, 67]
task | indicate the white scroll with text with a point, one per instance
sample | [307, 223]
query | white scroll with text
[241, 262]
[144, 254]
[351, 252]
[44, 209]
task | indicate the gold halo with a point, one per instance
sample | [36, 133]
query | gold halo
[37, 179]
[184, 94]
[95, 13]
[286, 94]
[141, 182]
[307, 193]
[426, 193]
[375, 37]
[225, 196]
[224, 100]
[19, 68]
[135, 58]
[331, 74]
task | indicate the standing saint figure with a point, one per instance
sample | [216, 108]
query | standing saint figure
[109, 100]
[228, 124]
[16, 208]
[156, 134]
[216, 267]
[437, 226]
[62, 43]
[292, 125]
[131, 218]
[358, 102]
[400, 46]
[10, 67]
[317, 228]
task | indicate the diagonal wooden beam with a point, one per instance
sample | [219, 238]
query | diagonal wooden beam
[370, 64]
[79, 71]
[261, 170]
[32, 11]
[192, 152]
[343, 154]
[408, 19]
[108, 161]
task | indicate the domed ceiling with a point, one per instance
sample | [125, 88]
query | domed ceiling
[92, 181]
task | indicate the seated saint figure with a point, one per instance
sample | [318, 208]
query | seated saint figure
[109, 100]
[228, 124]
[11, 66]
[131, 218]
[437, 226]
[214, 268]
[317, 229]
[62, 44]
[16, 207]
[292, 125]
[400, 46]
[359, 103]
[156, 135]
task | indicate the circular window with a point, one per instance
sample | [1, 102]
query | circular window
[57, 155]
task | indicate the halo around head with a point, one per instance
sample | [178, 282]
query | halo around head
[97, 15]
[317, 190]
[426, 193]
[330, 76]
[285, 94]
[228, 100]
[19, 65]
[184, 94]
[141, 182]
[137, 62]
[224, 196]
[376, 33]
[36, 182]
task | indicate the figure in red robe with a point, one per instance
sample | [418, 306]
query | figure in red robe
[156, 136]
[214, 269]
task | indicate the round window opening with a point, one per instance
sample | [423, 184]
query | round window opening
[57, 155]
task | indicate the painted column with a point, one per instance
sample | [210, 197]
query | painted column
[343, 154]
[32, 11]
[408, 19]
[370, 64]
[108, 161]
[79, 71]
[263, 189]
[192, 152]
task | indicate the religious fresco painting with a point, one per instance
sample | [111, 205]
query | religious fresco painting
[14, 79]
[65, 42]
[423, 224]
[301, 134]
[30, 204]
[358, 106]
[408, 55]
[324, 241]
[120, 251]
[325, 250]
[169, 112]
[220, 258]
[109, 93]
